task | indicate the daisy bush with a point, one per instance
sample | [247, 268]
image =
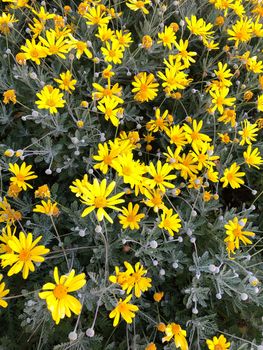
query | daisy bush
[130, 174]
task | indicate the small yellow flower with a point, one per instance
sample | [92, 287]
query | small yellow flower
[232, 177]
[9, 96]
[235, 234]
[50, 98]
[66, 82]
[130, 217]
[22, 174]
[42, 192]
[158, 296]
[218, 343]
[145, 87]
[170, 221]
[124, 310]
[47, 208]
[175, 331]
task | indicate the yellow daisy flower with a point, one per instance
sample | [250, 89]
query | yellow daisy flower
[95, 196]
[218, 343]
[170, 221]
[22, 174]
[59, 302]
[145, 87]
[25, 251]
[50, 98]
[232, 177]
[130, 217]
[124, 310]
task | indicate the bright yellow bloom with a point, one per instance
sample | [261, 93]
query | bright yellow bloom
[17, 3]
[104, 33]
[110, 108]
[25, 251]
[136, 279]
[160, 175]
[224, 138]
[220, 99]
[124, 310]
[42, 192]
[130, 217]
[55, 45]
[109, 91]
[174, 79]
[160, 123]
[170, 221]
[252, 158]
[66, 82]
[193, 135]
[177, 136]
[42, 14]
[241, 31]
[183, 54]
[105, 156]
[59, 302]
[124, 38]
[136, 5]
[95, 197]
[34, 51]
[223, 74]
[187, 165]
[248, 132]
[173, 330]
[113, 52]
[235, 234]
[204, 156]
[96, 16]
[22, 174]
[218, 343]
[50, 98]
[81, 47]
[129, 169]
[6, 22]
[145, 87]
[9, 95]
[47, 208]
[199, 27]
[232, 177]
[3, 293]
[167, 37]
[154, 199]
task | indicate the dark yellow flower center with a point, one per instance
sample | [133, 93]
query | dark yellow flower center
[25, 255]
[60, 291]
[158, 179]
[218, 347]
[100, 202]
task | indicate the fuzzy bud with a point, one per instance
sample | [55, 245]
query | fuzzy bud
[90, 332]
[73, 336]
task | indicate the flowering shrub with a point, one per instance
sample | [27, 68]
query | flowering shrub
[130, 174]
